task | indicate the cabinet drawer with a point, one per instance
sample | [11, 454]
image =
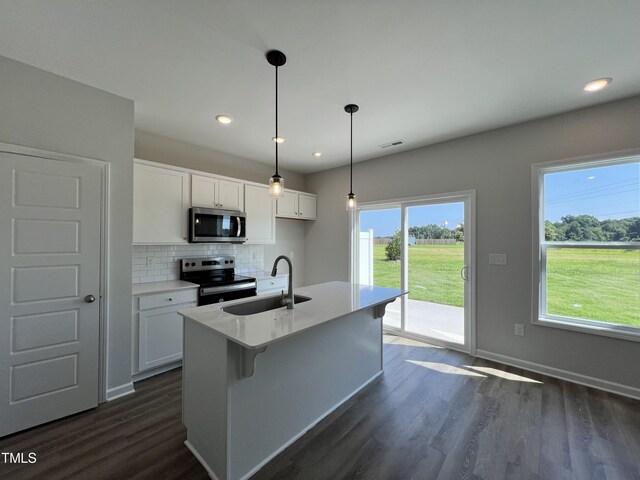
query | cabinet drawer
[167, 298]
[267, 284]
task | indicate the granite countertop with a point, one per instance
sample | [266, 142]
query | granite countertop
[158, 287]
[329, 301]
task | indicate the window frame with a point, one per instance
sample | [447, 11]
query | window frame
[540, 247]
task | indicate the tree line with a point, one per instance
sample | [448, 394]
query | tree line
[392, 249]
[587, 228]
[437, 232]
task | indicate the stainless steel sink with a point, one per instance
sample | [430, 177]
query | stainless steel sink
[261, 305]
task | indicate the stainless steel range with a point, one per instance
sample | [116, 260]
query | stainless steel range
[217, 279]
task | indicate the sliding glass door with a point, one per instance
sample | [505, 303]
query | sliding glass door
[376, 227]
[435, 250]
[423, 245]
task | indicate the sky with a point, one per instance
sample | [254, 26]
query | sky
[385, 222]
[604, 192]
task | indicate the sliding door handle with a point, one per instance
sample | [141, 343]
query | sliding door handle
[463, 273]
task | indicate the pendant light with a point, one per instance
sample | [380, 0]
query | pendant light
[351, 198]
[276, 183]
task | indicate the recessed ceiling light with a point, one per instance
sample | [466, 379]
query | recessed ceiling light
[591, 178]
[224, 119]
[317, 154]
[278, 139]
[598, 84]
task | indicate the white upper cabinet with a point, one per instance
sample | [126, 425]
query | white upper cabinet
[160, 205]
[162, 195]
[307, 205]
[212, 192]
[297, 205]
[288, 204]
[261, 218]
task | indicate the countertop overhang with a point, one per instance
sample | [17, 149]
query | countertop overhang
[329, 301]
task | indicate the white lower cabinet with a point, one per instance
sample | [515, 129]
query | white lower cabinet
[158, 328]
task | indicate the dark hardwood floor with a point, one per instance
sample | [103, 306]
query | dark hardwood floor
[435, 414]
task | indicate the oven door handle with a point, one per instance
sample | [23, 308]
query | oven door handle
[227, 288]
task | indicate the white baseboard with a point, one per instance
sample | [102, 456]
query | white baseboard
[201, 460]
[155, 371]
[578, 378]
[120, 391]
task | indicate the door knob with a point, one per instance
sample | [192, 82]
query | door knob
[89, 299]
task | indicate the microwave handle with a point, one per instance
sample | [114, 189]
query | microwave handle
[239, 227]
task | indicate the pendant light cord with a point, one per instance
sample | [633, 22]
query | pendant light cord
[276, 139]
[351, 150]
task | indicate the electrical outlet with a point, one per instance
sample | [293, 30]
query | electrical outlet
[520, 329]
[497, 259]
[149, 261]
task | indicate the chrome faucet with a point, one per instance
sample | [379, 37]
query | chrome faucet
[274, 271]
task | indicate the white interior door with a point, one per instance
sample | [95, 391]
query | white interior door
[50, 246]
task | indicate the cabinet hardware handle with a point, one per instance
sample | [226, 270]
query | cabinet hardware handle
[171, 299]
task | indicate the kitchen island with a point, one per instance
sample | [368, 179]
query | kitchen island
[253, 384]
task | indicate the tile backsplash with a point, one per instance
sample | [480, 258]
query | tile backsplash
[157, 263]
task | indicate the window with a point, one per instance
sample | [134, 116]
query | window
[587, 246]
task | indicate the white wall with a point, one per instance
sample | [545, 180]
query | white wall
[157, 148]
[497, 165]
[45, 111]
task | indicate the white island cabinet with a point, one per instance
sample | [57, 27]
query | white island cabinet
[253, 384]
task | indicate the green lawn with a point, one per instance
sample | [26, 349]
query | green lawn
[594, 284]
[434, 272]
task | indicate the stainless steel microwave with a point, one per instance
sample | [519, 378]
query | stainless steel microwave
[207, 225]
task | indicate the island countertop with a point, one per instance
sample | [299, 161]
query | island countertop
[329, 301]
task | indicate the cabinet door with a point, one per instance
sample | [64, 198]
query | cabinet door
[204, 191]
[160, 203]
[288, 205]
[260, 210]
[160, 336]
[307, 206]
[230, 195]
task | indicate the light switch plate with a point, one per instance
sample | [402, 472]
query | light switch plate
[497, 259]
[519, 329]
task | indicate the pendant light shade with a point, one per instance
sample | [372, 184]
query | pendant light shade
[276, 183]
[351, 197]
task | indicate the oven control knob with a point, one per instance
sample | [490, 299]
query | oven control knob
[230, 261]
[226, 261]
[193, 264]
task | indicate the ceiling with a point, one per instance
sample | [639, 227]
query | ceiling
[421, 71]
